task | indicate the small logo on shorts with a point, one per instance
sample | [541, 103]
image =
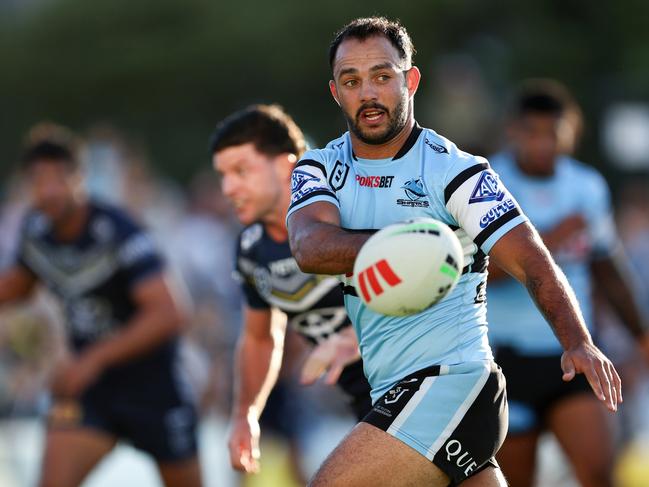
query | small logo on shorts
[395, 394]
[369, 276]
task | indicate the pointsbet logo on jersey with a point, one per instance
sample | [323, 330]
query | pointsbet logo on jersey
[375, 181]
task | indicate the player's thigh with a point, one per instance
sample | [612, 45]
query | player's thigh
[584, 428]
[370, 456]
[517, 458]
[71, 453]
[183, 473]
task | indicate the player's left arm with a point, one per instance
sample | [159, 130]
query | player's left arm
[159, 317]
[523, 255]
[613, 276]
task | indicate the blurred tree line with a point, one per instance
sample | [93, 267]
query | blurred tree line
[167, 70]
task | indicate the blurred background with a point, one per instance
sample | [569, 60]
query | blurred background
[146, 81]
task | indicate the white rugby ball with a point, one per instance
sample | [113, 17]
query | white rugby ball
[407, 267]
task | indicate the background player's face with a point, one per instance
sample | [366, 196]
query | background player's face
[373, 88]
[55, 188]
[537, 139]
[255, 183]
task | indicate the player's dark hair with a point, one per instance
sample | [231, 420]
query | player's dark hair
[542, 96]
[52, 143]
[268, 127]
[366, 27]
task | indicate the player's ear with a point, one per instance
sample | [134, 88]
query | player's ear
[413, 77]
[285, 164]
[334, 92]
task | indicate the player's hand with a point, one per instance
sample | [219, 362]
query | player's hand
[587, 359]
[331, 356]
[567, 229]
[74, 374]
[244, 444]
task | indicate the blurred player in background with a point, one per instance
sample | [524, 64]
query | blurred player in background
[255, 151]
[569, 203]
[120, 379]
[439, 410]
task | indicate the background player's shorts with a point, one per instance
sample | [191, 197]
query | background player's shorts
[534, 385]
[456, 416]
[354, 384]
[154, 414]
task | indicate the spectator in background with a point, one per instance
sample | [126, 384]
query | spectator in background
[119, 380]
[569, 203]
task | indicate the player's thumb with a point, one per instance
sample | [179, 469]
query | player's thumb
[568, 368]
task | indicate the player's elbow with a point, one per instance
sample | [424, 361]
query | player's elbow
[303, 253]
[305, 259]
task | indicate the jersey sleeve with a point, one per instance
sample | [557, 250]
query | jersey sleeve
[309, 183]
[20, 257]
[137, 253]
[244, 274]
[599, 214]
[477, 199]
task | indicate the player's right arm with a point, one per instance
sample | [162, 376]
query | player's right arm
[257, 363]
[319, 244]
[16, 283]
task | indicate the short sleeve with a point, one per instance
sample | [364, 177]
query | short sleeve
[309, 183]
[477, 199]
[601, 224]
[244, 274]
[137, 254]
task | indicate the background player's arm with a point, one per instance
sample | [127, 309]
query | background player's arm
[257, 364]
[553, 239]
[16, 283]
[158, 318]
[611, 276]
[523, 255]
[319, 244]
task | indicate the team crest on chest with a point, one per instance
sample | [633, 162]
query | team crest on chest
[338, 176]
[416, 194]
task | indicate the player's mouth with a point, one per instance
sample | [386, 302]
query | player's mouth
[373, 116]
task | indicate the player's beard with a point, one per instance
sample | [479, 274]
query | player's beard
[397, 120]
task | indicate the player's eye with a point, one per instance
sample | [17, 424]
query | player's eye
[350, 83]
[383, 77]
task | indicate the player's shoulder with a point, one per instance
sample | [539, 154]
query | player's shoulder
[35, 225]
[338, 150]
[454, 159]
[109, 222]
[576, 167]
[249, 238]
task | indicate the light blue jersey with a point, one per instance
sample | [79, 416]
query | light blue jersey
[429, 177]
[573, 189]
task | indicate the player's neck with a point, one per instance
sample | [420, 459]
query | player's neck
[382, 151]
[275, 223]
[534, 172]
[71, 227]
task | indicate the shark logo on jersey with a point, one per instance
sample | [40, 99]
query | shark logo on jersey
[338, 176]
[414, 190]
[299, 179]
[440, 149]
[486, 189]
